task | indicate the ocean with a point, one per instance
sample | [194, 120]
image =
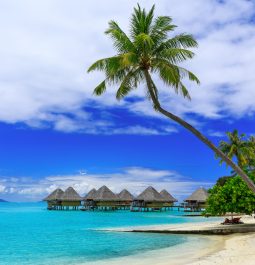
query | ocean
[30, 234]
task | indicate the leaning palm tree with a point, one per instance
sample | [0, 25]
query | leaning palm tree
[149, 50]
[239, 148]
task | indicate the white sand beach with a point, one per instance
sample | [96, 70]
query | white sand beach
[233, 249]
[237, 249]
[211, 222]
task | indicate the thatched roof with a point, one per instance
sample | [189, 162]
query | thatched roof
[150, 195]
[125, 195]
[90, 195]
[200, 195]
[71, 195]
[105, 194]
[167, 196]
[55, 195]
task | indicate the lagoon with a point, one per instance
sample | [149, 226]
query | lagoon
[30, 234]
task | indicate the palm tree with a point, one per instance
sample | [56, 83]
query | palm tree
[149, 51]
[238, 147]
[251, 162]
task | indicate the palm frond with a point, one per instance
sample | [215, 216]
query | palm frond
[175, 55]
[172, 75]
[160, 29]
[183, 72]
[148, 19]
[99, 65]
[100, 89]
[116, 78]
[107, 64]
[179, 41]
[113, 64]
[172, 72]
[192, 77]
[130, 81]
[184, 91]
[121, 41]
[141, 21]
[129, 59]
[135, 22]
[143, 41]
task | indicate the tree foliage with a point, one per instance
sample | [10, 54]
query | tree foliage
[148, 47]
[239, 147]
[232, 196]
[221, 181]
[250, 167]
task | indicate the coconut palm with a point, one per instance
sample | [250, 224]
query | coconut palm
[237, 147]
[252, 142]
[149, 50]
[251, 163]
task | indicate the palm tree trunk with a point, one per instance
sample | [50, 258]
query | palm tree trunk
[193, 130]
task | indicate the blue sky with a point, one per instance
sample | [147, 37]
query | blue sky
[51, 126]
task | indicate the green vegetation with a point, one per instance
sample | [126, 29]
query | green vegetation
[240, 148]
[231, 197]
[230, 194]
[147, 52]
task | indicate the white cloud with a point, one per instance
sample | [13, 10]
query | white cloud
[217, 134]
[48, 45]
[140, 130]
[135, 179]
[2, 188]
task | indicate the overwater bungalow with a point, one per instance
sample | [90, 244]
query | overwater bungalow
[169, 199]
[148, 200]
[196, 201]
[54, 199]
[70, 199]
[89, 203]
[125, 199]
[90, 195]
[105, 199]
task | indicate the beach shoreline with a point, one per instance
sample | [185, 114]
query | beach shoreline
[206, 227]
[218, 250]
[193, 250]
[198, 250]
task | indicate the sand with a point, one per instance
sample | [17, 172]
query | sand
[237, 250]
[233, 249]
[208, 224]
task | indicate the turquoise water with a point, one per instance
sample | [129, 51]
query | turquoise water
[29, 234]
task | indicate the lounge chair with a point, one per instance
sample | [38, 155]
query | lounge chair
[235, 220]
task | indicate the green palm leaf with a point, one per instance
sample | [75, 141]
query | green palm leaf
[130, 81]
[100, 89]
[121, 41]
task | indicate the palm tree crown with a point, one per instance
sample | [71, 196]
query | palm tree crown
[148, 48]
[238, 147]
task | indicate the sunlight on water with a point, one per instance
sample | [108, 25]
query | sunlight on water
[32, 235]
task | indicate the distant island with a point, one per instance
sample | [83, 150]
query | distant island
[1, 200]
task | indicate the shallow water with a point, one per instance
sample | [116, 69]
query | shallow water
[29, 234]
